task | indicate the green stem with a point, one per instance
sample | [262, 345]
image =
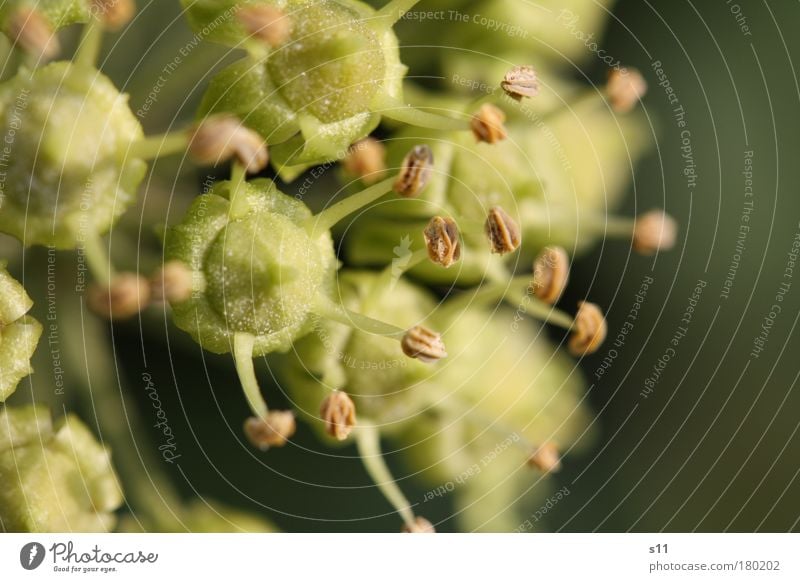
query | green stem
[159, 146]
[326, 308]
[403, 113]
[243, 344]
[535, 308]
[239, 206]
[91, 40]
[369, 447]
[322, 222]
[394, 11]
[98, 259]
[539, 216]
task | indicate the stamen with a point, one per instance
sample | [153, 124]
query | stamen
[589, 330]
[338, 412]
[415, 172]
[546, 459]
[172, 283]
[273, 431]
[114, 14]
[625, 88]
[268, 24]
[487, 124]
[421, 525]
[442, 241]
[520, 82]
[654, 231]
[126, 296]
[550, 274]
[423, 344]
[30, 29]
[222, 137]
[503, 232]
[366, 159]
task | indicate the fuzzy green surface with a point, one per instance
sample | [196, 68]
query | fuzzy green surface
[18, 342]
[374, 372]
[66, 135]
[255, 269]
[59, 13]
[54, 479]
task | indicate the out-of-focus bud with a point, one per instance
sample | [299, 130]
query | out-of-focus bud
[487, 124]
[274, 431]
[55, 478]
[415, 172]
[654, 231]
[503, 231]
[520, 82]
[589, 330]
[550, 274]
[222, 137]
[266, 23]
[366, 159]
[546, 458]
[114, 14]
[421, 525]
[29, 28]
[128, 294]
[442, 241]
[172, 283]
[423, 344]
[625, 88]
[338, 412]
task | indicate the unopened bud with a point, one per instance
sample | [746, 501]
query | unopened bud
[366, 159]
[222, 137]
[273, 431]
[415, 172]
[114, 14]
[654, 231]
[31, 30]
[625, 89]
[442, 240]
[420, 525]
[266, 23]
[423, 344]
[503, 231]
[550, 274]
[546, 458]
[520, 82]
[172, 283]
[487, 124]
[128, 294]
[589, 330]
[338, 412]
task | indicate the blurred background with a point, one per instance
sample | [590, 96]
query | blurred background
[696, 408]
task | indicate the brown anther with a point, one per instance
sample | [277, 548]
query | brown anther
[114, 14]
[546, 458]
[338, 412]
[589, 330]
[487, 125]
[266, 23]
[273, 431]
[415, 172]
[420, 525]
[171, 283]
[128, 294]
[423, 344]
[625, 88]
[503, 231]
[654, 231]
[222, 137]
[442, 240]
[550, 274]
[366, 159]
[521, 82]
[31, 30]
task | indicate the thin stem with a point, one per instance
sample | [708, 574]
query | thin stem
[159, 146]
[91, 40]
[418, 118]
[394, 11]
[326, 308]
[537, 309]
[368, 441]
[239, 207]
[322, 222]
[542, 216]
[98, 260]
[243, 356]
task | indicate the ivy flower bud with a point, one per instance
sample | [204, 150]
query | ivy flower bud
[366, 159]
[625, 88]
[442, 241]
[29, 28]
[423, 344]
[589, 330]
[421, 525]
[654, 231]
[546, 459]
[338, 412]
[487, 124]
[503, 232]
[415, 172]
[520, 82]
[114, 14]
[55, 478]
[550, 274]
[273, 431]
[268, 24]
[171, 283]
[222, 137]
[19, 334]
[127, 295]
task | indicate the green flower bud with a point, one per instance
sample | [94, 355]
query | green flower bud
[57, 13]
[68, 130]
[55, 478]
[255, 267]
[19, 334]
[317, 93]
